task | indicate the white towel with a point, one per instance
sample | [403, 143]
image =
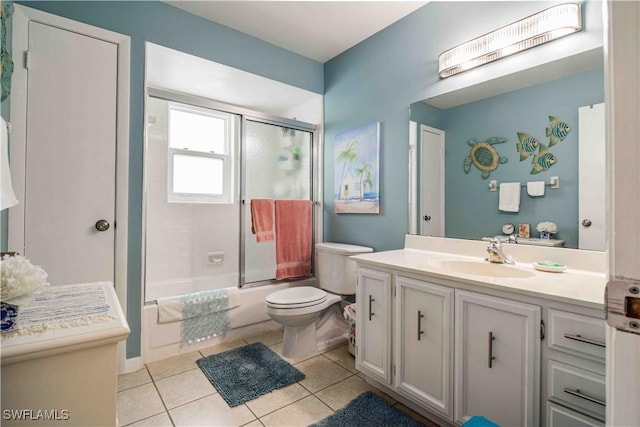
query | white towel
[509, 197]
[8, 197]
[535, 188]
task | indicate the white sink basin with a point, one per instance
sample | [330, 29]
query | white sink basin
[479, 268]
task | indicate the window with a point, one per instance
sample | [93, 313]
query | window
[200, 155]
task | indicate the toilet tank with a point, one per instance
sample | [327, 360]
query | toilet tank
[336, 272]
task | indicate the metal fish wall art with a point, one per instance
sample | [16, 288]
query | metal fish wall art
[557, 130]
[526, 146]
[543, 160]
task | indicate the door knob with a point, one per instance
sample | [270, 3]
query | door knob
[102, 225]
[427, 218]
[586, 222]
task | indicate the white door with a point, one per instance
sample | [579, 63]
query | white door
[592, 178]
[497, 360]
[431, 181]
[424, 356]
[70, 155]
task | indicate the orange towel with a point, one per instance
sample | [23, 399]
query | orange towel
[293, 238]
[262, 219]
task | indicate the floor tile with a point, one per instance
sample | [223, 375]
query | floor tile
[321, 372]
[343, 358]
[276, 399]
[301, 413]
[133, 379]
[173, 365]
[160, 420]
[254, 423]
[266, 338]
[185, 387]
[137, 403]
[210, 411]
[225, 346]
[338, 395]
[413, 414]
[293, 360]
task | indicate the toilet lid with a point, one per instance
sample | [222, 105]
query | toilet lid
[297, 297]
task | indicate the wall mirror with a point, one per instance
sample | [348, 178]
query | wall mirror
[451, 196]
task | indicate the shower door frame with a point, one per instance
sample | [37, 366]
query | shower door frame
[314, 190]
[239, 153]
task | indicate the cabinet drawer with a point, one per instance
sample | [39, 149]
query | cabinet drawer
[576, 334]
[559, 416]
[577, 388]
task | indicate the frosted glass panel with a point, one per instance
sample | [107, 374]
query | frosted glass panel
[277, 166]
[197, 175]
[278, 162]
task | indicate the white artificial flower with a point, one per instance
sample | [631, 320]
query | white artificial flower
[19, 277]
[549, 227]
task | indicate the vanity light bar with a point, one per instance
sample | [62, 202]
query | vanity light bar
[542, 27]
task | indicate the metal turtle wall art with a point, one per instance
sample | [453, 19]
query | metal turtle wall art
[484, 156]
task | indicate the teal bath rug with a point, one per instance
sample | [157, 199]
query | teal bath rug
[244, 373]
[368, 410]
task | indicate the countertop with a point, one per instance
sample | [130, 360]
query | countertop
[19, 348]
[579, 287]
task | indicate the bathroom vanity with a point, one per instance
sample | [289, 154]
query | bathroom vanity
[453, 336]
[66, 376]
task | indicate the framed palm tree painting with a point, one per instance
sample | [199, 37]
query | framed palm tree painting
[357, 170]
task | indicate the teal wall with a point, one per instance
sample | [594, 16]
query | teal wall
[379, 78]
[471, 209]
[165, 25]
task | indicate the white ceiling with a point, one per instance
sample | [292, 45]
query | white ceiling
[319, 30]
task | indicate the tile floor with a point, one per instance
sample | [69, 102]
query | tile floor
[175, 392]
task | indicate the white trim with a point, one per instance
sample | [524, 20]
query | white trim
[21, 18]
[441, 134]
[622, 67]
[126, 366]
[413, 177]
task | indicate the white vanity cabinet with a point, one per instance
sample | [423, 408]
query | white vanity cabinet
[453, 352]
[424, 342]
[497, 359]
[373, 320]
[451, 336]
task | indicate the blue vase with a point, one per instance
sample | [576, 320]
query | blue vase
[545, 235]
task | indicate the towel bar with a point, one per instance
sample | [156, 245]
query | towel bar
[554, 182]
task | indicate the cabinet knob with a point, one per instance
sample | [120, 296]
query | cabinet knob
[102, 225]
[586, 222]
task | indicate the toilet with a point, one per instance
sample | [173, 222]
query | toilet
[312, 317]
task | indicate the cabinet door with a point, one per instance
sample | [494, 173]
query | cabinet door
[424, 331]
[497, 361]
[373, 324]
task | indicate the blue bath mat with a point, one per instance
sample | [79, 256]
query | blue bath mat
[244, 373]
[368, 410]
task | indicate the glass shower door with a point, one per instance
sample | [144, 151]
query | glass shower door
[277, 164]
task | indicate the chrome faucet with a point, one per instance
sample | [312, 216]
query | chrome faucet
[496, 254]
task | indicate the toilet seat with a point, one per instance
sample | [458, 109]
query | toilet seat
[297, 297]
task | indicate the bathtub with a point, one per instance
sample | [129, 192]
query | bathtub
[161, 340]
